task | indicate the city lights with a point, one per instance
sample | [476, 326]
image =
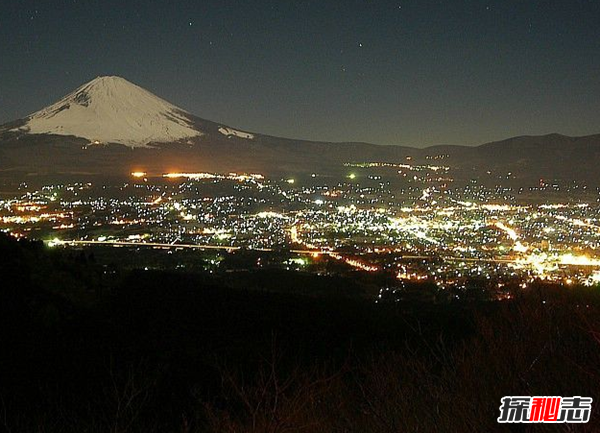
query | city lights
[419, 233]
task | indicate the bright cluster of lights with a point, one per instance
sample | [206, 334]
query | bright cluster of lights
[414, 231]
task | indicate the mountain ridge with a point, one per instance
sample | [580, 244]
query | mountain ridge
[81, 97]
[95, 128]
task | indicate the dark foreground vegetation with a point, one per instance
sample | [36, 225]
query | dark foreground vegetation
[85, 348]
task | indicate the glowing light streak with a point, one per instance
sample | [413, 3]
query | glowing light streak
[355, 263]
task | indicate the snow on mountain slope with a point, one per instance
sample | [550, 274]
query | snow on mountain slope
[236, 133]
[113, 110]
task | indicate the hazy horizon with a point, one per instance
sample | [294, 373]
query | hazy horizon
[318, 139]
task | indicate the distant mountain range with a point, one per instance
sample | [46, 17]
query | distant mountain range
[110, 126]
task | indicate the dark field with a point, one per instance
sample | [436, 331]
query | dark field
[93, 348]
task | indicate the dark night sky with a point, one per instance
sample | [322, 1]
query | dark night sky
[413, 72]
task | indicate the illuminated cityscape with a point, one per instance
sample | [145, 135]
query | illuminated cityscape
[402, 220]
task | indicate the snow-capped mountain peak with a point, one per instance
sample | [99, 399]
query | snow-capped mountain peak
[110, 109]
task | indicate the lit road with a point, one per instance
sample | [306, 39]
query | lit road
[232, 248]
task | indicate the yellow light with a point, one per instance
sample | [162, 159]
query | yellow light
[54, 242]
[138, 173]
[520, 248]
[189, 175]
[570, 259]
[510, 232]
[270, 214]
[355, 263]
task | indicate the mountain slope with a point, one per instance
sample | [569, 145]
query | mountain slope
[113, 110]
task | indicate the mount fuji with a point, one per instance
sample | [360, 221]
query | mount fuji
[113, 110]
